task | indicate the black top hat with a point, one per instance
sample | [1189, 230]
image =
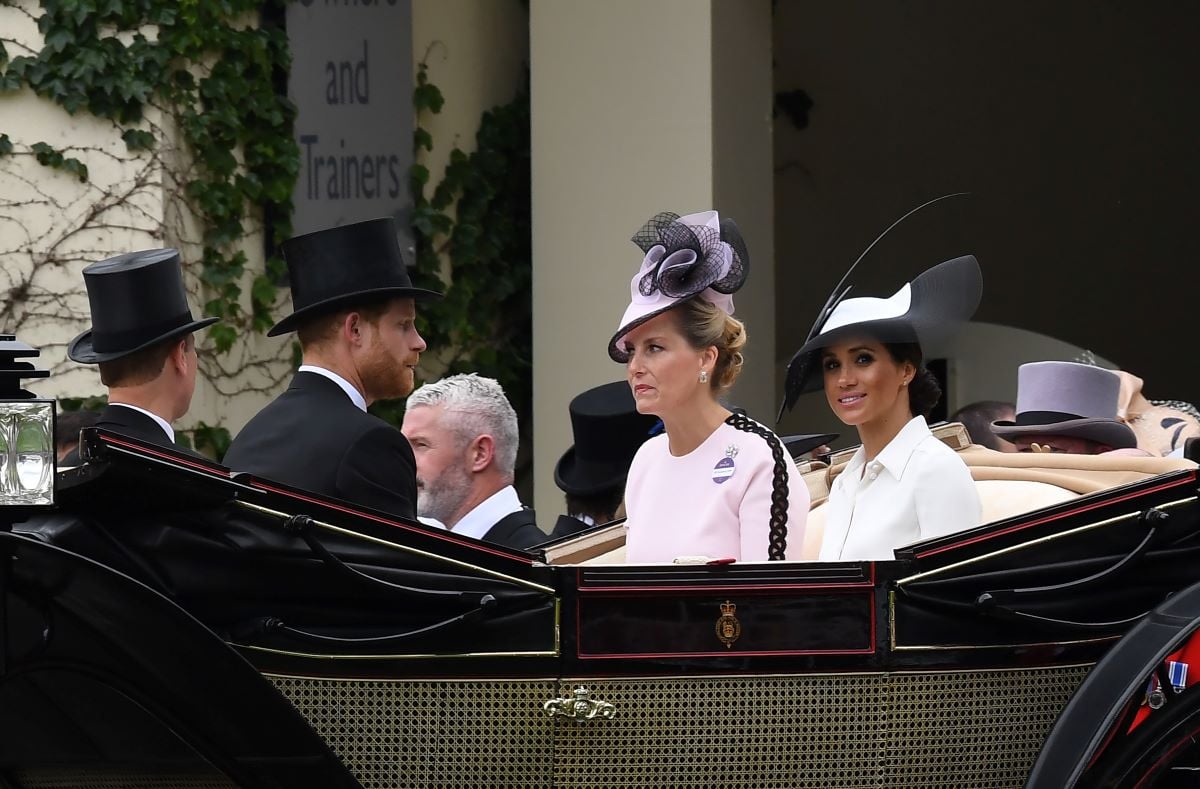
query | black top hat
[137, 300]
[608, 431]
[342, 266]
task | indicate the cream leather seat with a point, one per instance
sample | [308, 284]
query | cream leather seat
[1008, 483]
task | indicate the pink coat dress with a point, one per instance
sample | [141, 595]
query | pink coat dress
[714, 501]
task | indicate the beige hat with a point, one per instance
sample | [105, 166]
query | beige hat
[1160, 428]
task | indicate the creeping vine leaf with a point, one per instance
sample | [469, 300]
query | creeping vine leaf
[218, 78]
[484, 323]
[48, 156]
[211, 439]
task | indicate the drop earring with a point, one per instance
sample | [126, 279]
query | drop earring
[704, 376]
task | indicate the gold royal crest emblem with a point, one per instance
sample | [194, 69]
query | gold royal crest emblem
[729, 629]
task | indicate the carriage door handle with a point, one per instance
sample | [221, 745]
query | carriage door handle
[579, 707]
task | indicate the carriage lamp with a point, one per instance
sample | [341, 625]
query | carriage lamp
[27, 450]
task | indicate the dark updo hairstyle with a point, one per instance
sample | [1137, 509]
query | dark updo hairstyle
[924, 391]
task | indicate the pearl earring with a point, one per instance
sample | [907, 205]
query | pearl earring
[704, 376]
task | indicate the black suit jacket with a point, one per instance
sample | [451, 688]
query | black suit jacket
[565, 526]
[517, 530]
[134, 424]
[313, 437]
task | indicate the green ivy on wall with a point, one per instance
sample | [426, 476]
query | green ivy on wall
[218, 78]
[478, 214]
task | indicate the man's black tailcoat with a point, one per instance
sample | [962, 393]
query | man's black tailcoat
[517, 530]
[313, 437]
[128, 422]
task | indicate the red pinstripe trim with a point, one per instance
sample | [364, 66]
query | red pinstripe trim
[869, 582]
[216, 472]
[440, 534]
[1038, 522]
[599, 590]
[869, 650]
[255, 483]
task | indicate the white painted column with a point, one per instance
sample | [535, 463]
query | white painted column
[639, 107]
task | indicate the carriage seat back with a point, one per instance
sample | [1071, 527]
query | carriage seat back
[1010, 483]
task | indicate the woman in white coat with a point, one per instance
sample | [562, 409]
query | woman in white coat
[903, 485]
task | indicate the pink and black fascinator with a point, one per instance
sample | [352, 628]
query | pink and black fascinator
[685, 256]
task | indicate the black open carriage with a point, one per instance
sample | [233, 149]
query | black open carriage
[168, 624]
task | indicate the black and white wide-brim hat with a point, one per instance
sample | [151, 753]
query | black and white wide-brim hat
[1068, 399]
[933, 306]
[685, 256]
[137, 300]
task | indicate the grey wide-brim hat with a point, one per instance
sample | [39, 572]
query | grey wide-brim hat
[1067, 399]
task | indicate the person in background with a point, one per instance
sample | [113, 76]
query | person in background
[355, 317]
[1162, 427]
[463, 433]
[141, 339]
[608, 430]
[809, 446]
[716, 485]
[978, 417]
[66, 430]
[902, 485]
[1066, 407]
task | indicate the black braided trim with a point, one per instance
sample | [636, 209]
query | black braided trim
[777, 537]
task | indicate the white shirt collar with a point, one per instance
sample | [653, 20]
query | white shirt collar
[872, 510]
[355, 396]
[164, 424]
[895, 456]
[488, 512]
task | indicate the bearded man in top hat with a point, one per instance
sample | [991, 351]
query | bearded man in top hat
[354, 315]
[608, 430]
[1066, 407]
[141, 339]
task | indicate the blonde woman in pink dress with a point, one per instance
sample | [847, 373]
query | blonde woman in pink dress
[714, 485]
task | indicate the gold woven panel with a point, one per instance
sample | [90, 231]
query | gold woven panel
[954, 729]
[744, 732]
[975, 728]
[958, 729]
[108, 778]
[394, 734]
